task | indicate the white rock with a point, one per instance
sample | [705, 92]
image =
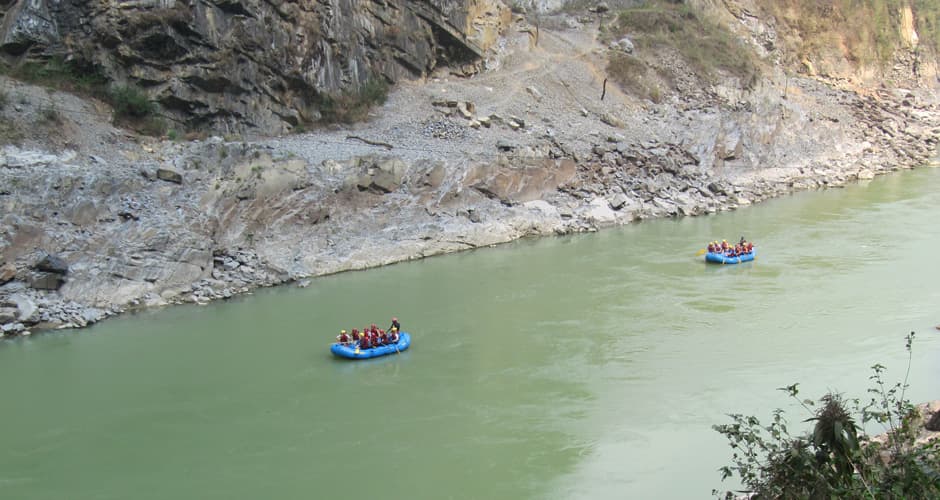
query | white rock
[542, 206]
[599, 211]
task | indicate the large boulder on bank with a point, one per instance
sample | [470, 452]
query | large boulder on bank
[52, 264]
[933, 423]
[47, 281]
[599, 212]
[520, 182]
[169, 175]
[7, 272]
[380, 176]
[17, 307]
[7, 315]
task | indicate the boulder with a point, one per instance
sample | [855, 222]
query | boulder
[385, 182]
[933, 423]
[7, 315]
[474, 216]
[15, 158]
[534, 92]
[519, 183]
[92, 315]
[46, 281]
[599, 212]
[52, 264]
[624, 44]
[25, 306]
[169, 175]
[542, 207]
[612, 120]
[617, 201]
[7, 272]
[434, 176]
[381, 176]
[466, 109]
[13, 328]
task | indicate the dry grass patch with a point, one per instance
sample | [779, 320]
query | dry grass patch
[709, 48]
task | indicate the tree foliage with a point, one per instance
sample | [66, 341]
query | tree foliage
[837, 459]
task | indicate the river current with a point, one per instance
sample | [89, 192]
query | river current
[579, 367]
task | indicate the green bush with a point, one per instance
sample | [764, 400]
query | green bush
[72, 76]
[11, 133]
[837, 459]
[352, 106]
[131, 102]
[132, 108]
[50, 114]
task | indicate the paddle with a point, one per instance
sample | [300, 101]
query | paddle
[700, 252]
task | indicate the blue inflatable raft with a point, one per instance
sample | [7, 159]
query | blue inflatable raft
[353, 351]
[720, 258]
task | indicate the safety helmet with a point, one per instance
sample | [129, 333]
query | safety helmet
[342, 331]
[394, 318]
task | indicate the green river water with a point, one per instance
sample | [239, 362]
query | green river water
[580, 367]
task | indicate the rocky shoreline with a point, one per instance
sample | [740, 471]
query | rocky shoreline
[95, 222]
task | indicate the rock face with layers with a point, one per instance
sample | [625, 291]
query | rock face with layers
[236, 64]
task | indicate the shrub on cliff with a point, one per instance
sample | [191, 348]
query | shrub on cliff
[837, 459]
[133, 108]
[72, 76]
[352, 106]
[130, 102]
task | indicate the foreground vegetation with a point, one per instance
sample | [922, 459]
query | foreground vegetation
[837, 460]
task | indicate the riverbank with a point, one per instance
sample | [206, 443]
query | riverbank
[527, 149]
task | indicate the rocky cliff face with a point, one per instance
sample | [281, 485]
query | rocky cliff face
[235, 64]
[863, 44]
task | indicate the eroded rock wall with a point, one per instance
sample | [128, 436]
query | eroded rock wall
[228, 65]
